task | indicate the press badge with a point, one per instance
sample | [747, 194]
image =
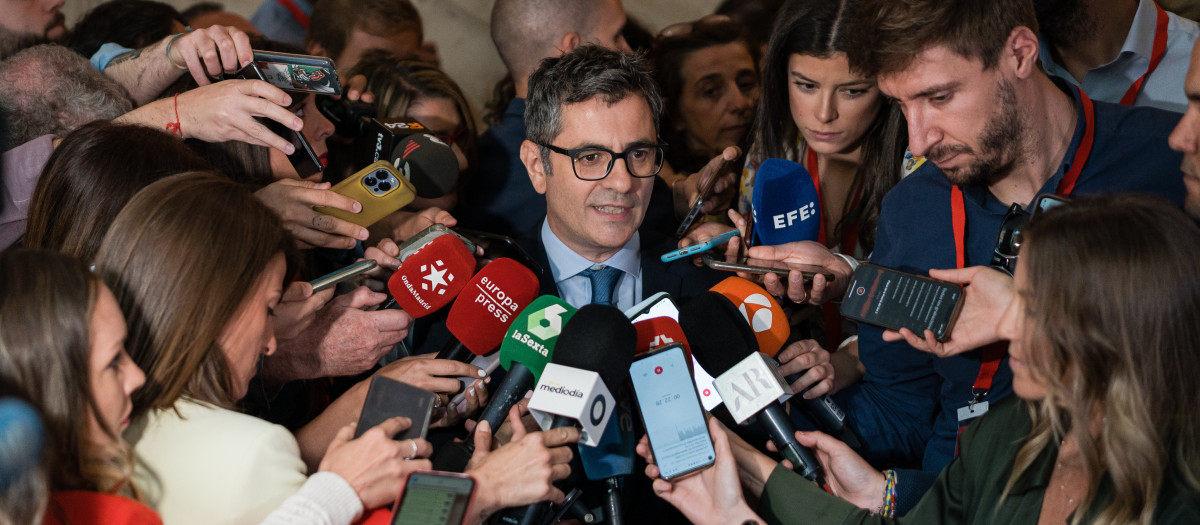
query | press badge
[972, 411]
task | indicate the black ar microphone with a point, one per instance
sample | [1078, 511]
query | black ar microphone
[747, 380]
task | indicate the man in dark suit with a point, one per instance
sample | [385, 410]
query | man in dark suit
[593, 150]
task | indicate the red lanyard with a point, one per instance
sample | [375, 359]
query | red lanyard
[297, 13]
[993, 354]
[833, 319]
[1156, 56]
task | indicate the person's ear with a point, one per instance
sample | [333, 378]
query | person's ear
[531, 156]
[569, 42]
[1022, 49]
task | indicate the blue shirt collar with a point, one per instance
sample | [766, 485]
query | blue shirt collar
[565, 263]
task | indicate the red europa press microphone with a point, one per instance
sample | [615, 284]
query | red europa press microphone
[486, 307]
[432, 276]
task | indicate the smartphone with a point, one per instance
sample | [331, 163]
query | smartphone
[434, 498]
[705, 193]
[303, 158]
[894, 299]
[1044, 202]
[496, 246]
[379, 188]
[388, 398]
[705, 246]
[661, 305]
[488, 363]
[423, 237]
[671, 412]
[344, 274]
[735, 264]
[657, 305]
[306, 73]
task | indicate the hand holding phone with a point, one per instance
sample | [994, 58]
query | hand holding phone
[894, 299]
[671, 412]
[379, 188]
[344, 274]
[705, 193]
[764, 266]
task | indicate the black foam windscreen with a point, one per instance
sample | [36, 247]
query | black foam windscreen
[599, 338]
[717, 332]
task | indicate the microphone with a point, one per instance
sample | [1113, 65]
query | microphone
[428, 163]
[785, 204]
[657, 332]
[432, 276]
[770, 326]
[21, 439]
[749, 383]
[524, 352]
[592, 358]
[486, 307]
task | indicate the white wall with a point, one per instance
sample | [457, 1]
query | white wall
[460, 29]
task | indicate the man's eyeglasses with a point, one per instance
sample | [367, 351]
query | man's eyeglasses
[594, 163]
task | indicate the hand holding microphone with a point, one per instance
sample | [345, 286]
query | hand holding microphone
[523, 471]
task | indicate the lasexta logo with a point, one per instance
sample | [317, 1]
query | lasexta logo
[547, 323]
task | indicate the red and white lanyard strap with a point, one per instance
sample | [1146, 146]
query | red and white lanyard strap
[993, 354]
[1156, 55]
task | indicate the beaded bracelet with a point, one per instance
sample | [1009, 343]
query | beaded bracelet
[888, 509]
[171, 40]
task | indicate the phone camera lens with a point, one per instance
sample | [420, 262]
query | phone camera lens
[369, 181]
[384, 186]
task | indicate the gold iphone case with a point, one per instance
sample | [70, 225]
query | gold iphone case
[379, 188]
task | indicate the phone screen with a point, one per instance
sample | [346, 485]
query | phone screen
[671, 412]
[894, 299]
[434, 499]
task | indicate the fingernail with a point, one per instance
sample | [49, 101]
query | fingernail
[487, 380]
[290, 149]
[482, 373]
[357, 207]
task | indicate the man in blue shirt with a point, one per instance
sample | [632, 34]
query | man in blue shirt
[1106, 46]
[995, 130]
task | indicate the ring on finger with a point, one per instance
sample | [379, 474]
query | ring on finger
[412, 454]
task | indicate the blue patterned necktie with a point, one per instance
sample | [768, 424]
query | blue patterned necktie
[604, 280]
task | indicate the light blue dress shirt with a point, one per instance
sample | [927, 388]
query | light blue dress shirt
[575, 289]
[1164, 87]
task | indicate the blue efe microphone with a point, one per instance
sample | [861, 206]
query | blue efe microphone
[20, 440]
[785, 203]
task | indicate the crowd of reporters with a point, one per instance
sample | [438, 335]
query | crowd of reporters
[165, 357]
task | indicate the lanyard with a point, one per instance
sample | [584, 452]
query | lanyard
[993, 354]
[1156, 56]
[833, 319]
[297, 13]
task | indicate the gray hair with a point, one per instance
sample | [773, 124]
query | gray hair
[48, 89]
[588, 71]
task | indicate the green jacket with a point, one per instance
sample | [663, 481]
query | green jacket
[968, 491]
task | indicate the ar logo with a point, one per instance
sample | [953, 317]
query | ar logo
[757, 311]
[438, 276]
[547, 322]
